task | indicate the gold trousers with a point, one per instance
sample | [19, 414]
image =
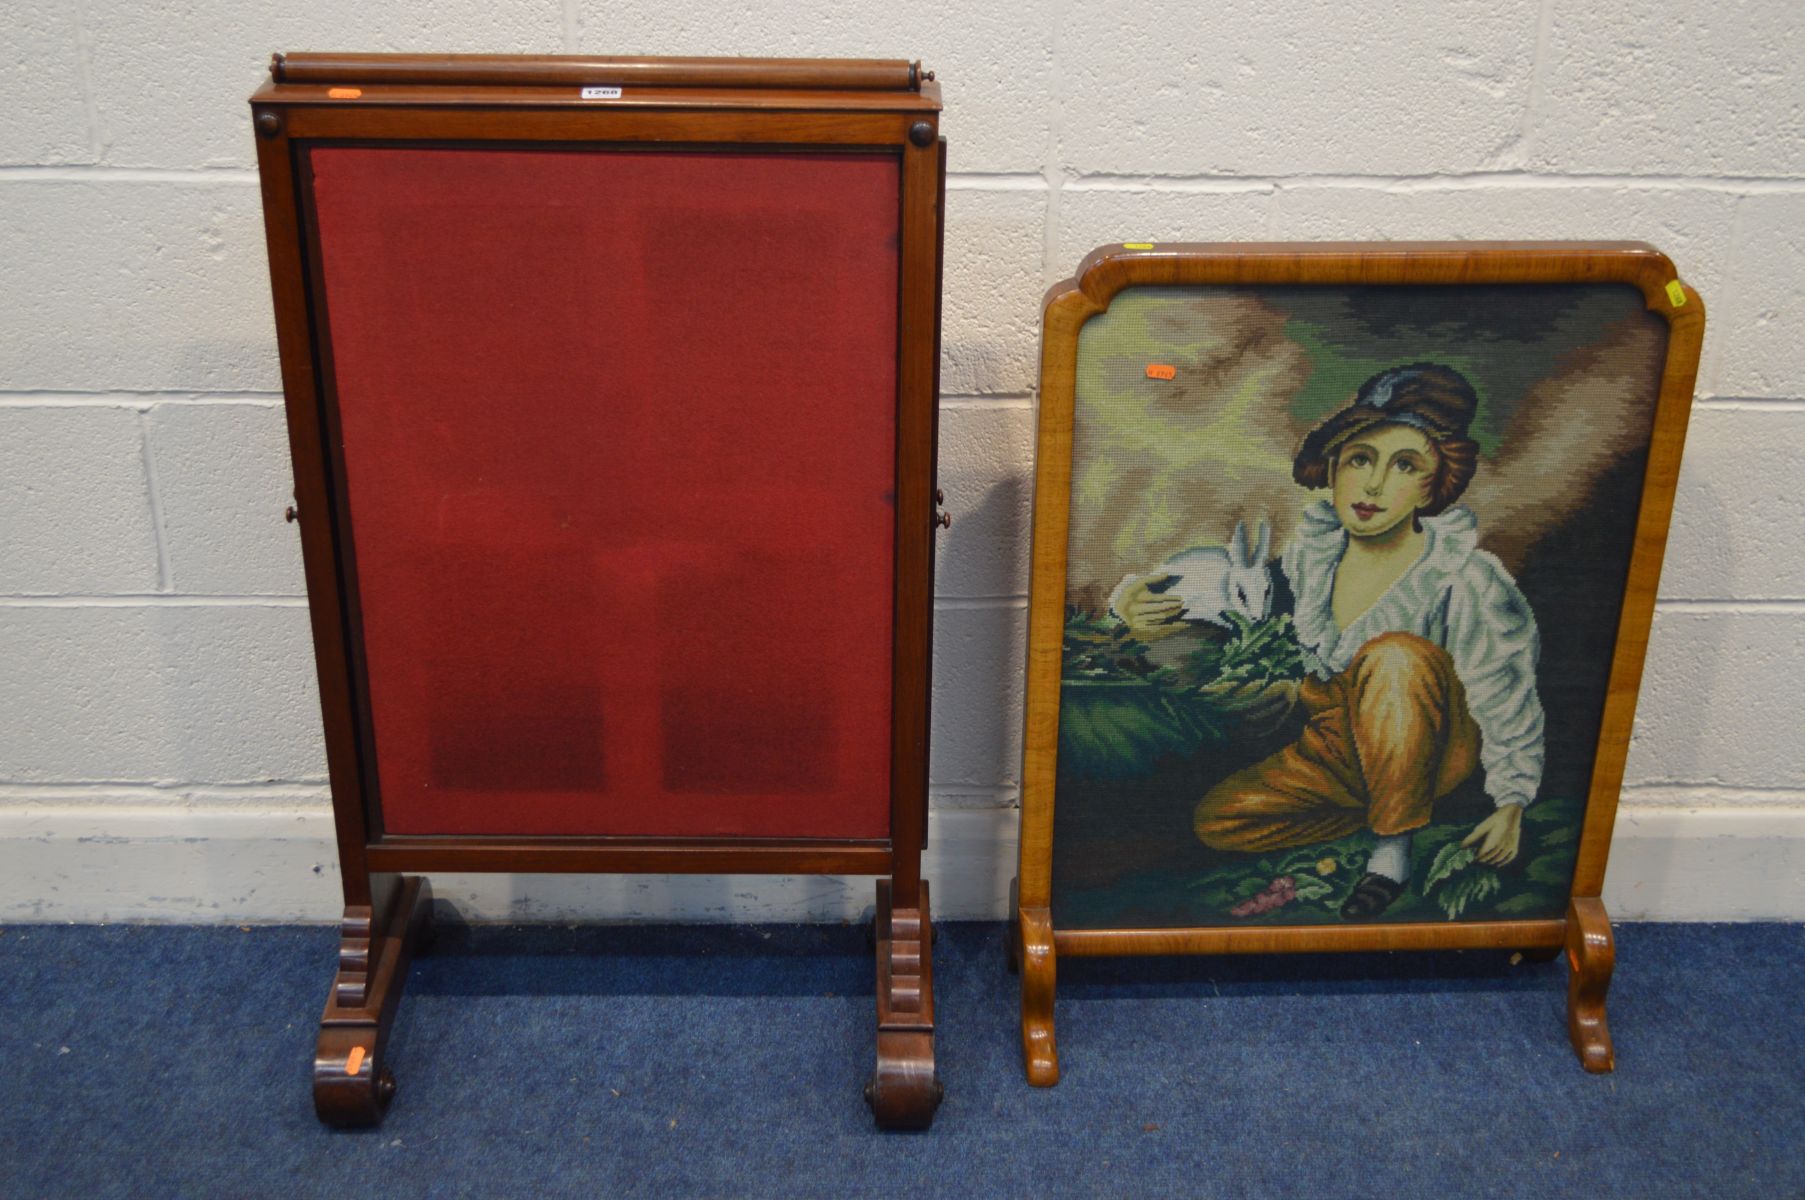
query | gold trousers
[1385, 739]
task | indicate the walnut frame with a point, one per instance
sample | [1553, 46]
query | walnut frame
[1585, 931]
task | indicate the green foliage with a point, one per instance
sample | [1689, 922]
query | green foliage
[1313, 887]
[1463, 880]
[1555, 870]
[1215, 897]
[1451, 858]
[1119, 730]
[1253, 885]
[1257, 652]
[1564, 835]
[1529, 904]
[1121, 714]
[1471, 886]
[1102, 648]
[1556, 814]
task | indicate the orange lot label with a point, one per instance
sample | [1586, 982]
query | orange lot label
[354, 1060]
[1160, 371]
[344, 93]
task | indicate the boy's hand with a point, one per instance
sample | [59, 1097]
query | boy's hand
[1149, 615]
[1498, 835]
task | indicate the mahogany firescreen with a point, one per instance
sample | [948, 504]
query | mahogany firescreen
[618, 436]
[610, 386]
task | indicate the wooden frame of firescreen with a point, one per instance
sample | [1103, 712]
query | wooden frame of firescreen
[818, 106]
[1585, 931]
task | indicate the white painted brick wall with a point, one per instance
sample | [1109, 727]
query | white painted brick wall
[1093, 211]
[43, 106]
[1691, 225]
[170, 76]
[75, 512]
[133, 283]
[1760, 319]
[159, 693]
[979, 649]
[1737, 525]
[993, 56]
[990, 316]
[159, 733]
[987, 454]
[1716, 691]
[1644, 87]
[1249, 87]
[222, 471]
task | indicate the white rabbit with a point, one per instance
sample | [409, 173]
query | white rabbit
[1213, 580]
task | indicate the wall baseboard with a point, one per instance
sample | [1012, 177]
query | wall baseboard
[219, 864]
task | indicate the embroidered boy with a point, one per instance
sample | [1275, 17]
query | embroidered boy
[1422, 650]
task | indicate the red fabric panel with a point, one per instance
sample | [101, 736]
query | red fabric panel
[619, 441]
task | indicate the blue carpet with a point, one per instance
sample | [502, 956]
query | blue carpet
[620, 1061]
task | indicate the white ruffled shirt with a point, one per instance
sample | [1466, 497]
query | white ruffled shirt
[1456, 596]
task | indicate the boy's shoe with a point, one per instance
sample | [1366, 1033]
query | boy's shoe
[1371, 896]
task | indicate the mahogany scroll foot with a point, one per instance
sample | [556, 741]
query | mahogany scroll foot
[1040, 1053]
[905, 1090]
[352, 1085]
[1591, 955]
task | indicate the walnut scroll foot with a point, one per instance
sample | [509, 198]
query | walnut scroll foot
[1591, 955]
[352, 1086]
[1040, 1053]
[905, 1090]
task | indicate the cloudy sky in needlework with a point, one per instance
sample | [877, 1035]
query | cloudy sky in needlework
[1564, 375]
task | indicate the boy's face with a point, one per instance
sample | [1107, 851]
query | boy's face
[1381, 477]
